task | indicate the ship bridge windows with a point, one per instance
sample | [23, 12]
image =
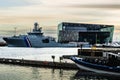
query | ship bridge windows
[45, 40]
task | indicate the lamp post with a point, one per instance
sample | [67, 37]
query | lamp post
[53, 57]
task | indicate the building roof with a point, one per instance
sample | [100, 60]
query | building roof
[86, 25]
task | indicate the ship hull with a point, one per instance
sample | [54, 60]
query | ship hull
[34, 41]
[13, 42]
[96, 68]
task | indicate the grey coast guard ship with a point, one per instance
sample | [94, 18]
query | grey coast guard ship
[35, 39]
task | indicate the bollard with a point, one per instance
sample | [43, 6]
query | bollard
[53, 57]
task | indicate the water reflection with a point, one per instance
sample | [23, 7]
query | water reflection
[93, 76]
[59, 71]
[35, 73]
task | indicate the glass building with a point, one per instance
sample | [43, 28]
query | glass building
[81, 32]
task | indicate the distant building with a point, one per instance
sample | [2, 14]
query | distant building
[81, 32]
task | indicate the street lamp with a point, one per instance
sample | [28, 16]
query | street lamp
[53, 57]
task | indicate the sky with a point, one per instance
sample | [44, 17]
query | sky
[21, 14]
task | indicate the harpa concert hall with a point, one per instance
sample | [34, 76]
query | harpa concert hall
[81, 32]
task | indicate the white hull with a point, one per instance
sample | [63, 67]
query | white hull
[96, 70]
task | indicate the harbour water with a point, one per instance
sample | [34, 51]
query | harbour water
[42, 54]
[13, 72]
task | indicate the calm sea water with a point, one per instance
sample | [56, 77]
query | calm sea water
[13, 72]
[43, 54]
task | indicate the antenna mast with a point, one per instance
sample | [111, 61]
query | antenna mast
[15, 28]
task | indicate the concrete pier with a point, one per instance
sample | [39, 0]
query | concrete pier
[23, 62]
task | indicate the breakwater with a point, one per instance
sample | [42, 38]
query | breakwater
[35, 63]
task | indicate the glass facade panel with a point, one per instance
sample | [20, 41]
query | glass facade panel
[93, 37]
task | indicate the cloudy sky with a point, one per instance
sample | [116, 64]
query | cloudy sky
[49, 13]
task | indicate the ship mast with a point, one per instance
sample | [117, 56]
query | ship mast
[15, 31]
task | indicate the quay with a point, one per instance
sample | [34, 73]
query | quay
[35, 63]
